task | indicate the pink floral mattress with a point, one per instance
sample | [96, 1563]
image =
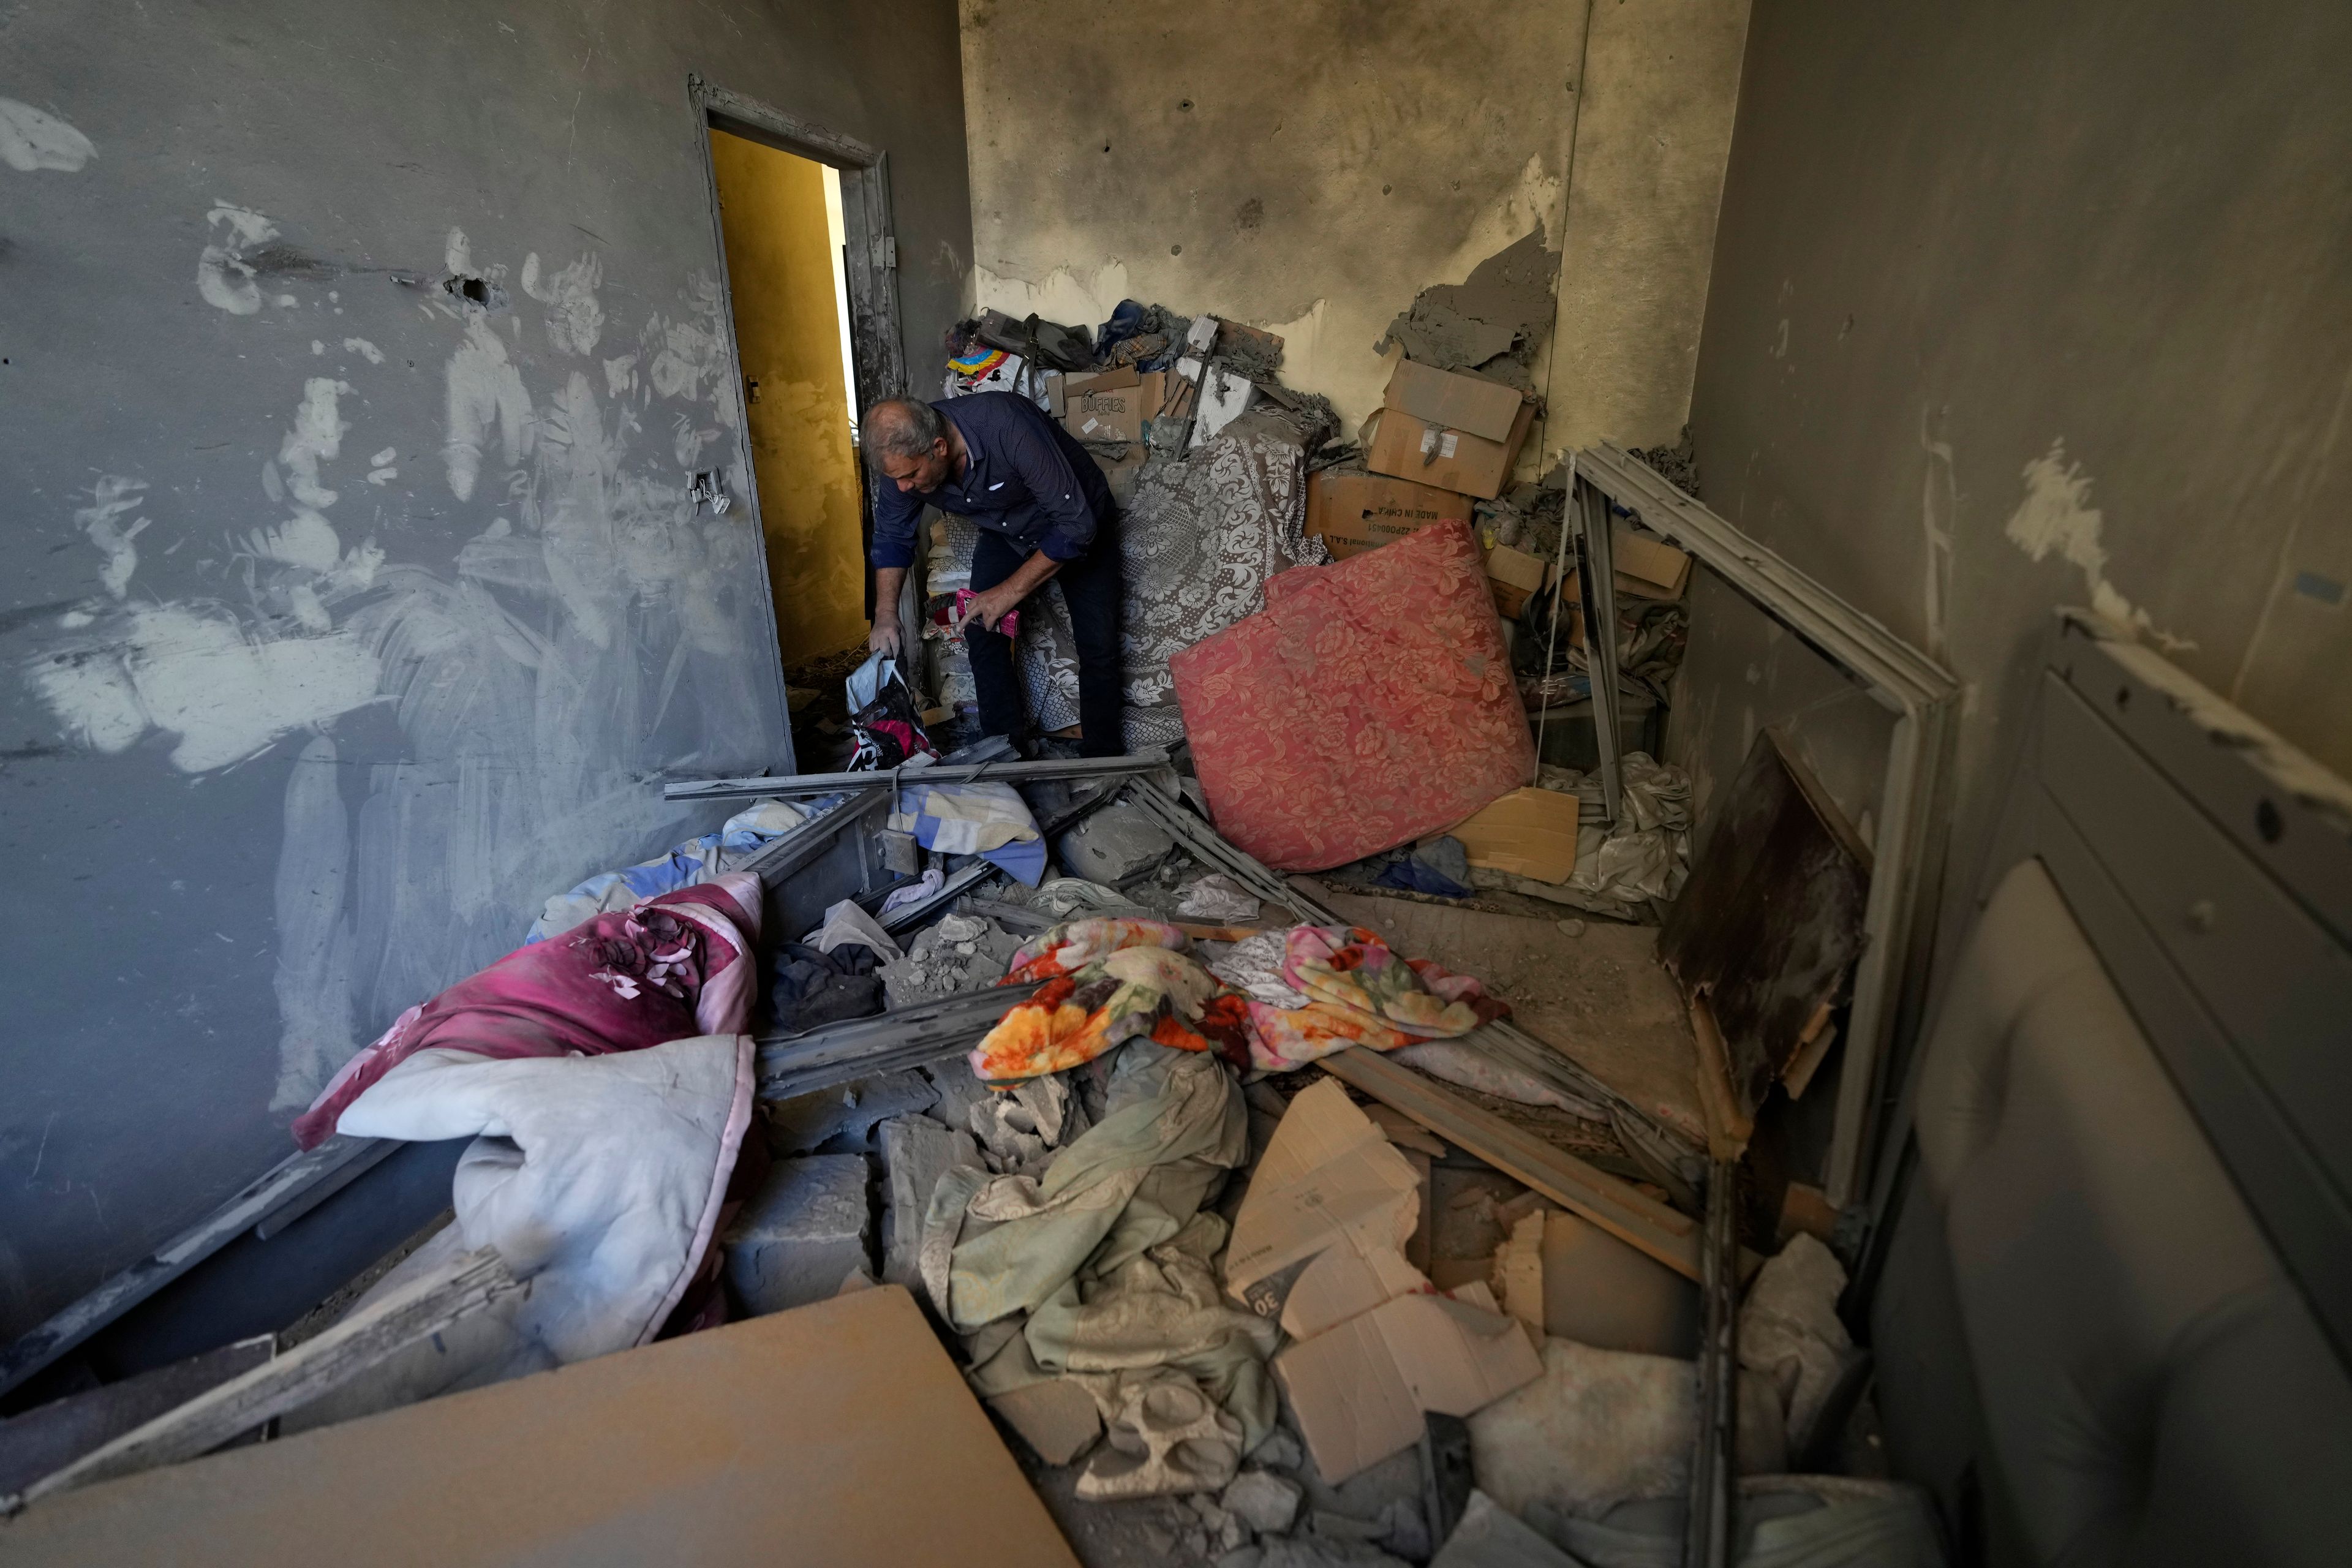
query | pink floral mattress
[1367, 705]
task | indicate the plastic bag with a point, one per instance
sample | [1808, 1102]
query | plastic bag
[883, 718]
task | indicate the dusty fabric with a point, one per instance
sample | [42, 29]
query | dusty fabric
[599, 1179]
[1201, 539]
[1360, 991]
[1158, 1311]
[1252, 966]
[672, 966]
[1218, 897]
[1369, 705]
[1789, 1329]
[987, 819]
[1601, 1426]
[695, 861]
[1141, 989]
[1175, 1122]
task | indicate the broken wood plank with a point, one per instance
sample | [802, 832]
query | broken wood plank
[47, 1438]
[285, 1182]
[1728, 1128]
[1618, 1207]
[1769, 925]
[795, 784]
[465, 1286]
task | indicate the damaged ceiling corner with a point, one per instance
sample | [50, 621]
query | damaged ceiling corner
[1491, 322]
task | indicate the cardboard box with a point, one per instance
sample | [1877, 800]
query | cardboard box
[1112, 405]
[1513, 574]
[1647, 567]
[1459, 433]
[1353, 511]
[1528, 832]
[1359, 1389]
[1320, 1235]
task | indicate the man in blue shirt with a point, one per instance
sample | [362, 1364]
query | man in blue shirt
[1043, 512]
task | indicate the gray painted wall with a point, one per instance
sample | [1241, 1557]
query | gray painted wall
[347, 619]
[2021, 306]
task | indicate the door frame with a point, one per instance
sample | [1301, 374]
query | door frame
[877, 367]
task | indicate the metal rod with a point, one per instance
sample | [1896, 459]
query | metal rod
[1707, 1543]
[1598, 586]
[938, 772]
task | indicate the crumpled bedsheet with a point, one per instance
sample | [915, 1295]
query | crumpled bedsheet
[1369, 704]
[1108, 1253]
[1357, 991]
[600, 1179]
[672, 966]
[1106, 981]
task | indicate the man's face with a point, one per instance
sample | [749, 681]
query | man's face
[927, 472]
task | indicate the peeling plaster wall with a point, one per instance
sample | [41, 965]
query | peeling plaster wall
[350, 617]
[1308, 166]
[2019, 307]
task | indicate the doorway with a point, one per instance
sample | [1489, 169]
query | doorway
[809, 279]
[782, 224]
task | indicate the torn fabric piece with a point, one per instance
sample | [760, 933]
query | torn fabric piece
[1173, 1123]
[1362, 992]
[1218, 897]
[672, 966]
[1138, 992]
[985, 819]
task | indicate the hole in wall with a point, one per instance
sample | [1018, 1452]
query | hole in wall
[479, 293]
[1186, 104]
[2269, 823]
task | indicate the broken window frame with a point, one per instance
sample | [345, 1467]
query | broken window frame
[1890, 977]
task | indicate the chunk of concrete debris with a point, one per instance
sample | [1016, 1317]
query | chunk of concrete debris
[1227, 1532]
[802, 1235]
[1265, 1501]
[806, 1122]
[1057, 1417]
[1501, 308]
[1168, 1437]
[1280, 1451]
[960, 952]
[1322, 1551]
[1490, 1537]
[916, 1152]
[1115, 842]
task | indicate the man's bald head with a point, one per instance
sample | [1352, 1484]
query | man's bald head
[906, 442]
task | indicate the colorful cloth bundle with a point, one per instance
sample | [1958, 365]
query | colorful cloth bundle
[987, 819]
[979, 361]
[1360, 992]
[1108, 982]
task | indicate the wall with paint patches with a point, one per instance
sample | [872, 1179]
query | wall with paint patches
[2006, 317]
[1308, 166]
[354, 359]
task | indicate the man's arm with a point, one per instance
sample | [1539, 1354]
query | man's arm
[992, 605]
[885, 636]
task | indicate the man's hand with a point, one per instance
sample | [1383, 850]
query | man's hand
[884, 637]
[992, 605]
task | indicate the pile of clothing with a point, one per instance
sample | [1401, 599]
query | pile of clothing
[1275, 1001]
